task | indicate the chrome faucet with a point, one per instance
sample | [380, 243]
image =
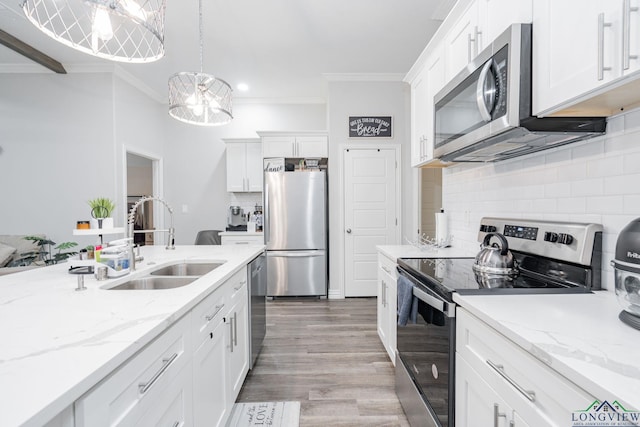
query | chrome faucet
[130, 231]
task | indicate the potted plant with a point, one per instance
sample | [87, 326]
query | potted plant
[101, 209]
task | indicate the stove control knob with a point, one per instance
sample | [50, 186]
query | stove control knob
[565, 239]
[550, 237]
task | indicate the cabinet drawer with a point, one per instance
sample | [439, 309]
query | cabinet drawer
[242, 240]
[529, 386]
[207, 314]
[388, 266]
[236, 287]
[137, 385]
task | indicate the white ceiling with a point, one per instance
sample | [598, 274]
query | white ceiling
[283, 49]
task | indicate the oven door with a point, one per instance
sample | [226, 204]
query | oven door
[427, 353]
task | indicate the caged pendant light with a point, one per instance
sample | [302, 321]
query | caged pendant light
[118, 30]
[199, 98]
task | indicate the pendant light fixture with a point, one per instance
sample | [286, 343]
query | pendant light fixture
[118, 30]
[199, 98]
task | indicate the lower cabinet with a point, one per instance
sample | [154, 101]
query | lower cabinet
[500, 384]
[387, 304]
[188, 376]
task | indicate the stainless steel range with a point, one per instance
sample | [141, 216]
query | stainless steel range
[543, 257]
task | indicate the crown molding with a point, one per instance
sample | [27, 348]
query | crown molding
[364, 77]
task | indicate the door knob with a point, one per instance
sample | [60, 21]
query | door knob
[349, 230]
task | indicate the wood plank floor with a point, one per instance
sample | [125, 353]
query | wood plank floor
[327, 355]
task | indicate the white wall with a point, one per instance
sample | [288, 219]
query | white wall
[56, 134]
[591, 181]
[195, 163]
[365, 98]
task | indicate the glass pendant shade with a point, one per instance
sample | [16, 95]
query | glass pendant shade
[118, 30]
[199, 99]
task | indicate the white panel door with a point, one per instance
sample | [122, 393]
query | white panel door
[370, 216]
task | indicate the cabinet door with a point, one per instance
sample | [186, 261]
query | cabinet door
[462, 42]
[254, 166]
[391, 319]
[567, 41]
[237, 347]
[236, 167]
[419, 117]
[312, 146]
[435, 81]
[477, 404]
[631, 36]
[278, 146]
[174, 405]
[382, 312]
[496, 15]
[210, 401]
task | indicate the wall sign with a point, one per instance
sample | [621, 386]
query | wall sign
[370, 127]
[274, 165]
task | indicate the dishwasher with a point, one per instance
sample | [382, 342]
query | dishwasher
[257, 274]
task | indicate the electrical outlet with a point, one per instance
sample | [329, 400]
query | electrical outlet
[185, 208]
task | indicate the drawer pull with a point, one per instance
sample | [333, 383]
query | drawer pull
[386, 269]
[144, 387]
[176, 424]
[235, 328]
[210, 317]
[531, 395]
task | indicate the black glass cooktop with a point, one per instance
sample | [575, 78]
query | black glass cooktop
[447, 275]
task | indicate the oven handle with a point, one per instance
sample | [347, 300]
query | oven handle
[438, 304]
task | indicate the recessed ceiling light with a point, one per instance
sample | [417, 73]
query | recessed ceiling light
[242, 87]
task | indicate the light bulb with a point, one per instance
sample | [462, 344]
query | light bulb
[195, 105]
[102, 24]
[134, 9]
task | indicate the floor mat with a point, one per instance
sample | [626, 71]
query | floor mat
[265, 414]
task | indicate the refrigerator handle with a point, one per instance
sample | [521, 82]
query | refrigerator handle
[267, 216]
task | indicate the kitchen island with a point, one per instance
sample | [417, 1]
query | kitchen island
[59, 343]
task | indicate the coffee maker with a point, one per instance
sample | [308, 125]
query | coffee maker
[236, 219]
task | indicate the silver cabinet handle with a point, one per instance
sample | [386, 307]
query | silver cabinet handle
[474, 41]
[231, 334]
[386, 269]
[235, 328]
[469, 41]
[531, 395]
[144, 387]
[601, 26]
[626, 33]
[176, 424]
[242, 243]
[210, 317]
[497, 414]
[384, 291]
[348, 231]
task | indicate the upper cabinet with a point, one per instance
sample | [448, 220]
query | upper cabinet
[244, 165]
[468, 29]
[294, 144]
[477, 26]
[584, 56]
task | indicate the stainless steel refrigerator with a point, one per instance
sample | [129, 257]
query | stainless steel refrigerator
[295, 233]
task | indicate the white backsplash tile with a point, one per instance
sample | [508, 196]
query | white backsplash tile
[591, 181]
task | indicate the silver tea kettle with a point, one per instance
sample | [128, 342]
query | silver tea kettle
[494, 265]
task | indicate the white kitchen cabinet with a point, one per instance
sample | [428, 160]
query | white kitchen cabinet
[211, 407]
[244, 165]
[241, 239]
[236, 320]
[387, 304]
[174, 406]
[491, 369]
[293, 145]
[478, 26]
[143, 383]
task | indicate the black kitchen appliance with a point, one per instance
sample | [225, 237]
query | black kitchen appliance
[627, 273]
[550, 257]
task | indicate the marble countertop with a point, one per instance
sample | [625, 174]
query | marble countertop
[57, 343]
[579, 336]
[409, 251]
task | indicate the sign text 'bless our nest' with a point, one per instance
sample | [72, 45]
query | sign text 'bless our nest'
[370, 127]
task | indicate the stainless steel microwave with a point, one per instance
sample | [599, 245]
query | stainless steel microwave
[484, 113]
